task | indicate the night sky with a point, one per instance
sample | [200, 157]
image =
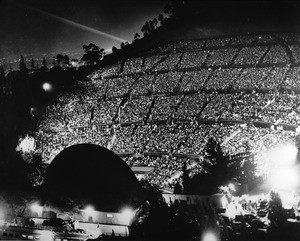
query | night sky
[44, 26]
[40, 26]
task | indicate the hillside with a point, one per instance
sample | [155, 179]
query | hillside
[159, 108]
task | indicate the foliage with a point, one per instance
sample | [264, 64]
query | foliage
[22, 66]
[217, 170]
[93, 54]
[149, 27]
[44, 65]
[2, 75]
[32, 65]
[62, 60]
[157, 220]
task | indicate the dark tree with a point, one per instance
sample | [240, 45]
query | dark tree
[276, 216]
[54, 63]
[175, 8]
[44, 65]
[217, 170]
[168, 9]
[185, 178]
[245, 173]
[66, 60]
[32, 64]
[161, 18]
[36, 170]
[122, 45]
[59, 59]
[22, 66]
[2, 76]
[114, 49]
[154, 23]
[93, 54]
[136, 37]
[151, 220]
[146, 28]
[177, 188]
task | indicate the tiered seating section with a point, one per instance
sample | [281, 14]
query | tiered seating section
[160, 108]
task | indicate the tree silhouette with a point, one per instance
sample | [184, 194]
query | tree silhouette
[185, 178]
[32, 64]
[44, 65]
[93, 54]
[146, 28]
[177, 188]
[22, 66]
[2, 76]
[114, 49]
[217, 170]
[161, 19]
[151, 221]
[136, 37]
[276, 216]
[66, 60]
[54, 63]
[59, 59]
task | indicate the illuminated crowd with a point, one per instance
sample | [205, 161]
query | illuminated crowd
[239, 90]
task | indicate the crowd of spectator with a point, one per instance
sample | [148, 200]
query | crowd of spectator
[296, 52]
[217, 42]
[119, 86]
[135, 110]
[167, 82]
[277, 54]
[152, 60]
[158, 118]
[193, 59]
[165, 107]
[250, 55]
[133, 65]
[221, 57]
[169, 63]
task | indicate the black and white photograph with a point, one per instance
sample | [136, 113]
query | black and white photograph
[150, 120]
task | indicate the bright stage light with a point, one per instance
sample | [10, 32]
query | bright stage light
[284, 178]
[127, 215]
[284, 154]
[47, 87]
[89, 210]
[37, 208]
[209, 236]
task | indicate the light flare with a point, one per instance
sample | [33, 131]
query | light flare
[72, 23]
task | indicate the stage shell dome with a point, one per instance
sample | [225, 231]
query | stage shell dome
[88, 174]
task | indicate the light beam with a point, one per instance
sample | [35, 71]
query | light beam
[72, 23]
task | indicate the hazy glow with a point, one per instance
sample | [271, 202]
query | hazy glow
[36, 208]
[283, 154]
[46, 235]
[47, 87]
[127, 215]
[209, 236]
[89, 210]
[288, 199]
[279, 156]
[278, 165]
[284, 178]
[74, 24]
